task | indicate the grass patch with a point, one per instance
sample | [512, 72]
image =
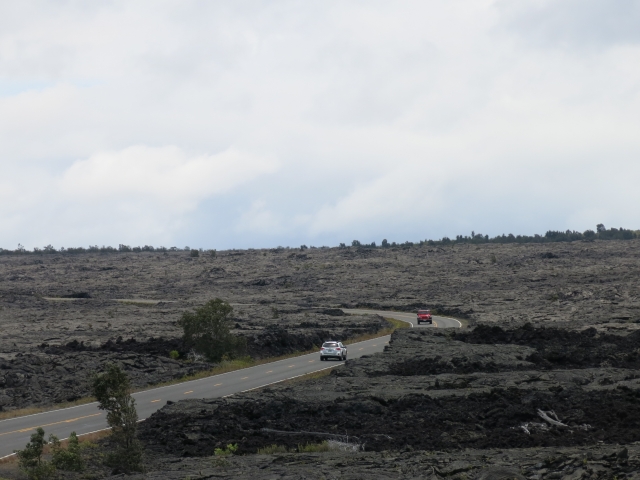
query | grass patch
[398, 323]
[314, 447]
[308, 448]
[271, 449]
[22, 412]
[310, 376]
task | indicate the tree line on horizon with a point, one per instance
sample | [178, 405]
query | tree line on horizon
[601, 233]
[551, 236]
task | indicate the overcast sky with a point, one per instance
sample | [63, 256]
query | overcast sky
[222, 124]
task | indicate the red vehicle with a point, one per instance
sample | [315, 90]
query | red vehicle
[424, 316]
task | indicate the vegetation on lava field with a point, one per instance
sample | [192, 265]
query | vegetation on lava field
[112, 389]
[208, 329]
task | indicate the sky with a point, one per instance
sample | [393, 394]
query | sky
[251, 124]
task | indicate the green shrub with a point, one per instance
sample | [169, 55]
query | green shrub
[195, 253]
[112, 389]
[30, 459]
[229, 450]
[270, 449]
[314, 447]
[208, 329]
[174, 354]
[68, 459]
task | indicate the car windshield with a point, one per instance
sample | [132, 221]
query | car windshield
[423, 312]
[330, 345]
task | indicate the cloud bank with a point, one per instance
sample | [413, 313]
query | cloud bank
[239, 124]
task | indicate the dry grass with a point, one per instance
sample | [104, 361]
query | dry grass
[398, 323]
[308, 448]
[11, 459]
[87, 439]
[271, 449]
[309, 376]
[314, 447]
[22, 412]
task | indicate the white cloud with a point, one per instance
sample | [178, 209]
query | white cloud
[164, 176]
[201, 122]
[127, 196]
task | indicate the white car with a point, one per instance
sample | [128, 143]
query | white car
[333, 350]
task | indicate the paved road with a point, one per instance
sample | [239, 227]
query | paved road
[438, 322]
[15, 433]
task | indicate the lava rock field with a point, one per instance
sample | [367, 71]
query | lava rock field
[551, 335]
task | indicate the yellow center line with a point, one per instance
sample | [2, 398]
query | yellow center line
[154, 401]
[435, 323]
[311, 361]
[376, 345]
[217, 384]
[50, 424]
[244, 378]
[291, 366]
[190, 391]
[361, 349]
[270, 371]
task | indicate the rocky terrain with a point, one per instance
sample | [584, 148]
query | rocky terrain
[540, 402]
[431, 390]
[553, 337]
[598, 462]
[132, 294]
[50, 374]
[46, 379]
[286, 299]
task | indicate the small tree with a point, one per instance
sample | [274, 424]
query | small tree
[68, 459]
[208, 329]
[30, 459]
[112, 389]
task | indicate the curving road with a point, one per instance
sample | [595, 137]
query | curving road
[15, 432]
[438, 321]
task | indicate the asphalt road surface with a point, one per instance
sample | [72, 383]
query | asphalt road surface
[15, 432]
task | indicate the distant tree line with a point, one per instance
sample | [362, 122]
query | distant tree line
[551, 236]
[601, 233]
